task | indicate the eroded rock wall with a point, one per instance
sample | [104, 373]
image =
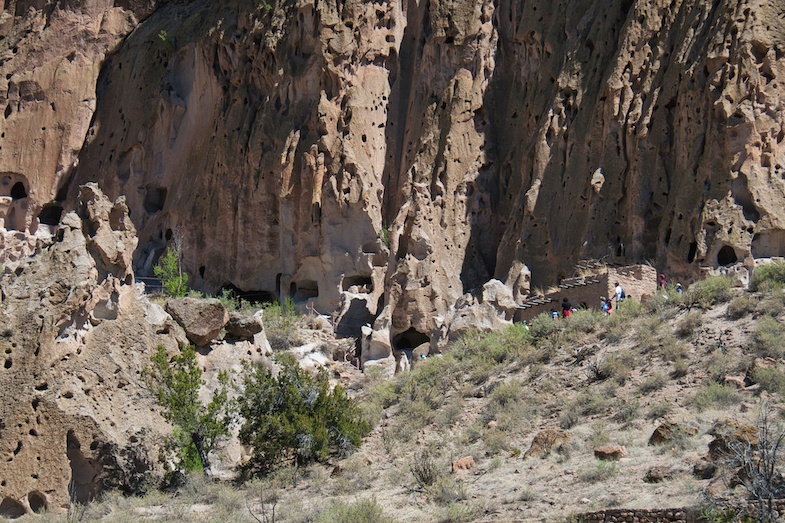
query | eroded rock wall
[75, 338]
[309, 148]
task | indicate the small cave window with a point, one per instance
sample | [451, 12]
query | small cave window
[11, 508]
[726, 256]
[692, 252]
[410, 339]
[37, 502]
[304, 290]
[154, 199]
[18, 191]
[361, 284]
[50, 214]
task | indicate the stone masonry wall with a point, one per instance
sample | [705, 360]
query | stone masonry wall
[638, 282]
[669, 515]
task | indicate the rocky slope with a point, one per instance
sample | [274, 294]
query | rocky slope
[280, 141]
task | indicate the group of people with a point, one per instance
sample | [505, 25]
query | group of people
[606, 304]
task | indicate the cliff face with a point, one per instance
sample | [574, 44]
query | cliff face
[285, 143]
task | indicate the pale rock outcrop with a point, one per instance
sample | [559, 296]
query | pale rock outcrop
[202, 319]
[244, 327]
[611, 452]
[75, 339]
[493, 310]
[546, 441]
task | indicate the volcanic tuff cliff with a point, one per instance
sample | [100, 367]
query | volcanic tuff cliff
[279, 141]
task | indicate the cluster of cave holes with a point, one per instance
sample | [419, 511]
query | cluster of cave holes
[8, 360]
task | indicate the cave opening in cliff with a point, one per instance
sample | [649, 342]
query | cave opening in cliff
[18, 191]
[154, 200]
[726, 256]
[250, 296]
[37, 502]
[692, 252]
[410, 339]
[362, 284]
[11, 508]
[82, 485]
[50, 214]
[303, 290]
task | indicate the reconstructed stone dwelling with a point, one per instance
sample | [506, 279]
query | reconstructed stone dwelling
[596, 280]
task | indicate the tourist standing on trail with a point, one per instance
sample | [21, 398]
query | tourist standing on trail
[566, 308]
[679, 288]
[620, 295]
[605, 305]
[662, 282]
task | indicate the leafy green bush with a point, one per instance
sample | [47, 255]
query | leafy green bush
[709, 292]
[281, 323]
[768, 277]
[513, 344]
[294, 417]
[176, 385]
[170, 270]
[767, 338]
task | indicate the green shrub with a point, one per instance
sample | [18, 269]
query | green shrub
[767, 338]
[583, 322]
[170, 270]
[281, 324]
[770, 379]
[653, 382]
[543, 327]
[664, 305]
[681, 367]
[715, 395]
[660, 409]
[616, 366]
[294, 417]
[741, 306]
[424, 468]
[626, 410]
[176, 386]
[589, 402]
[688, 324]
[363, 511]
[447, 490]
[496, 441]
[601, 471]
[768, 277]
[709, 292]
